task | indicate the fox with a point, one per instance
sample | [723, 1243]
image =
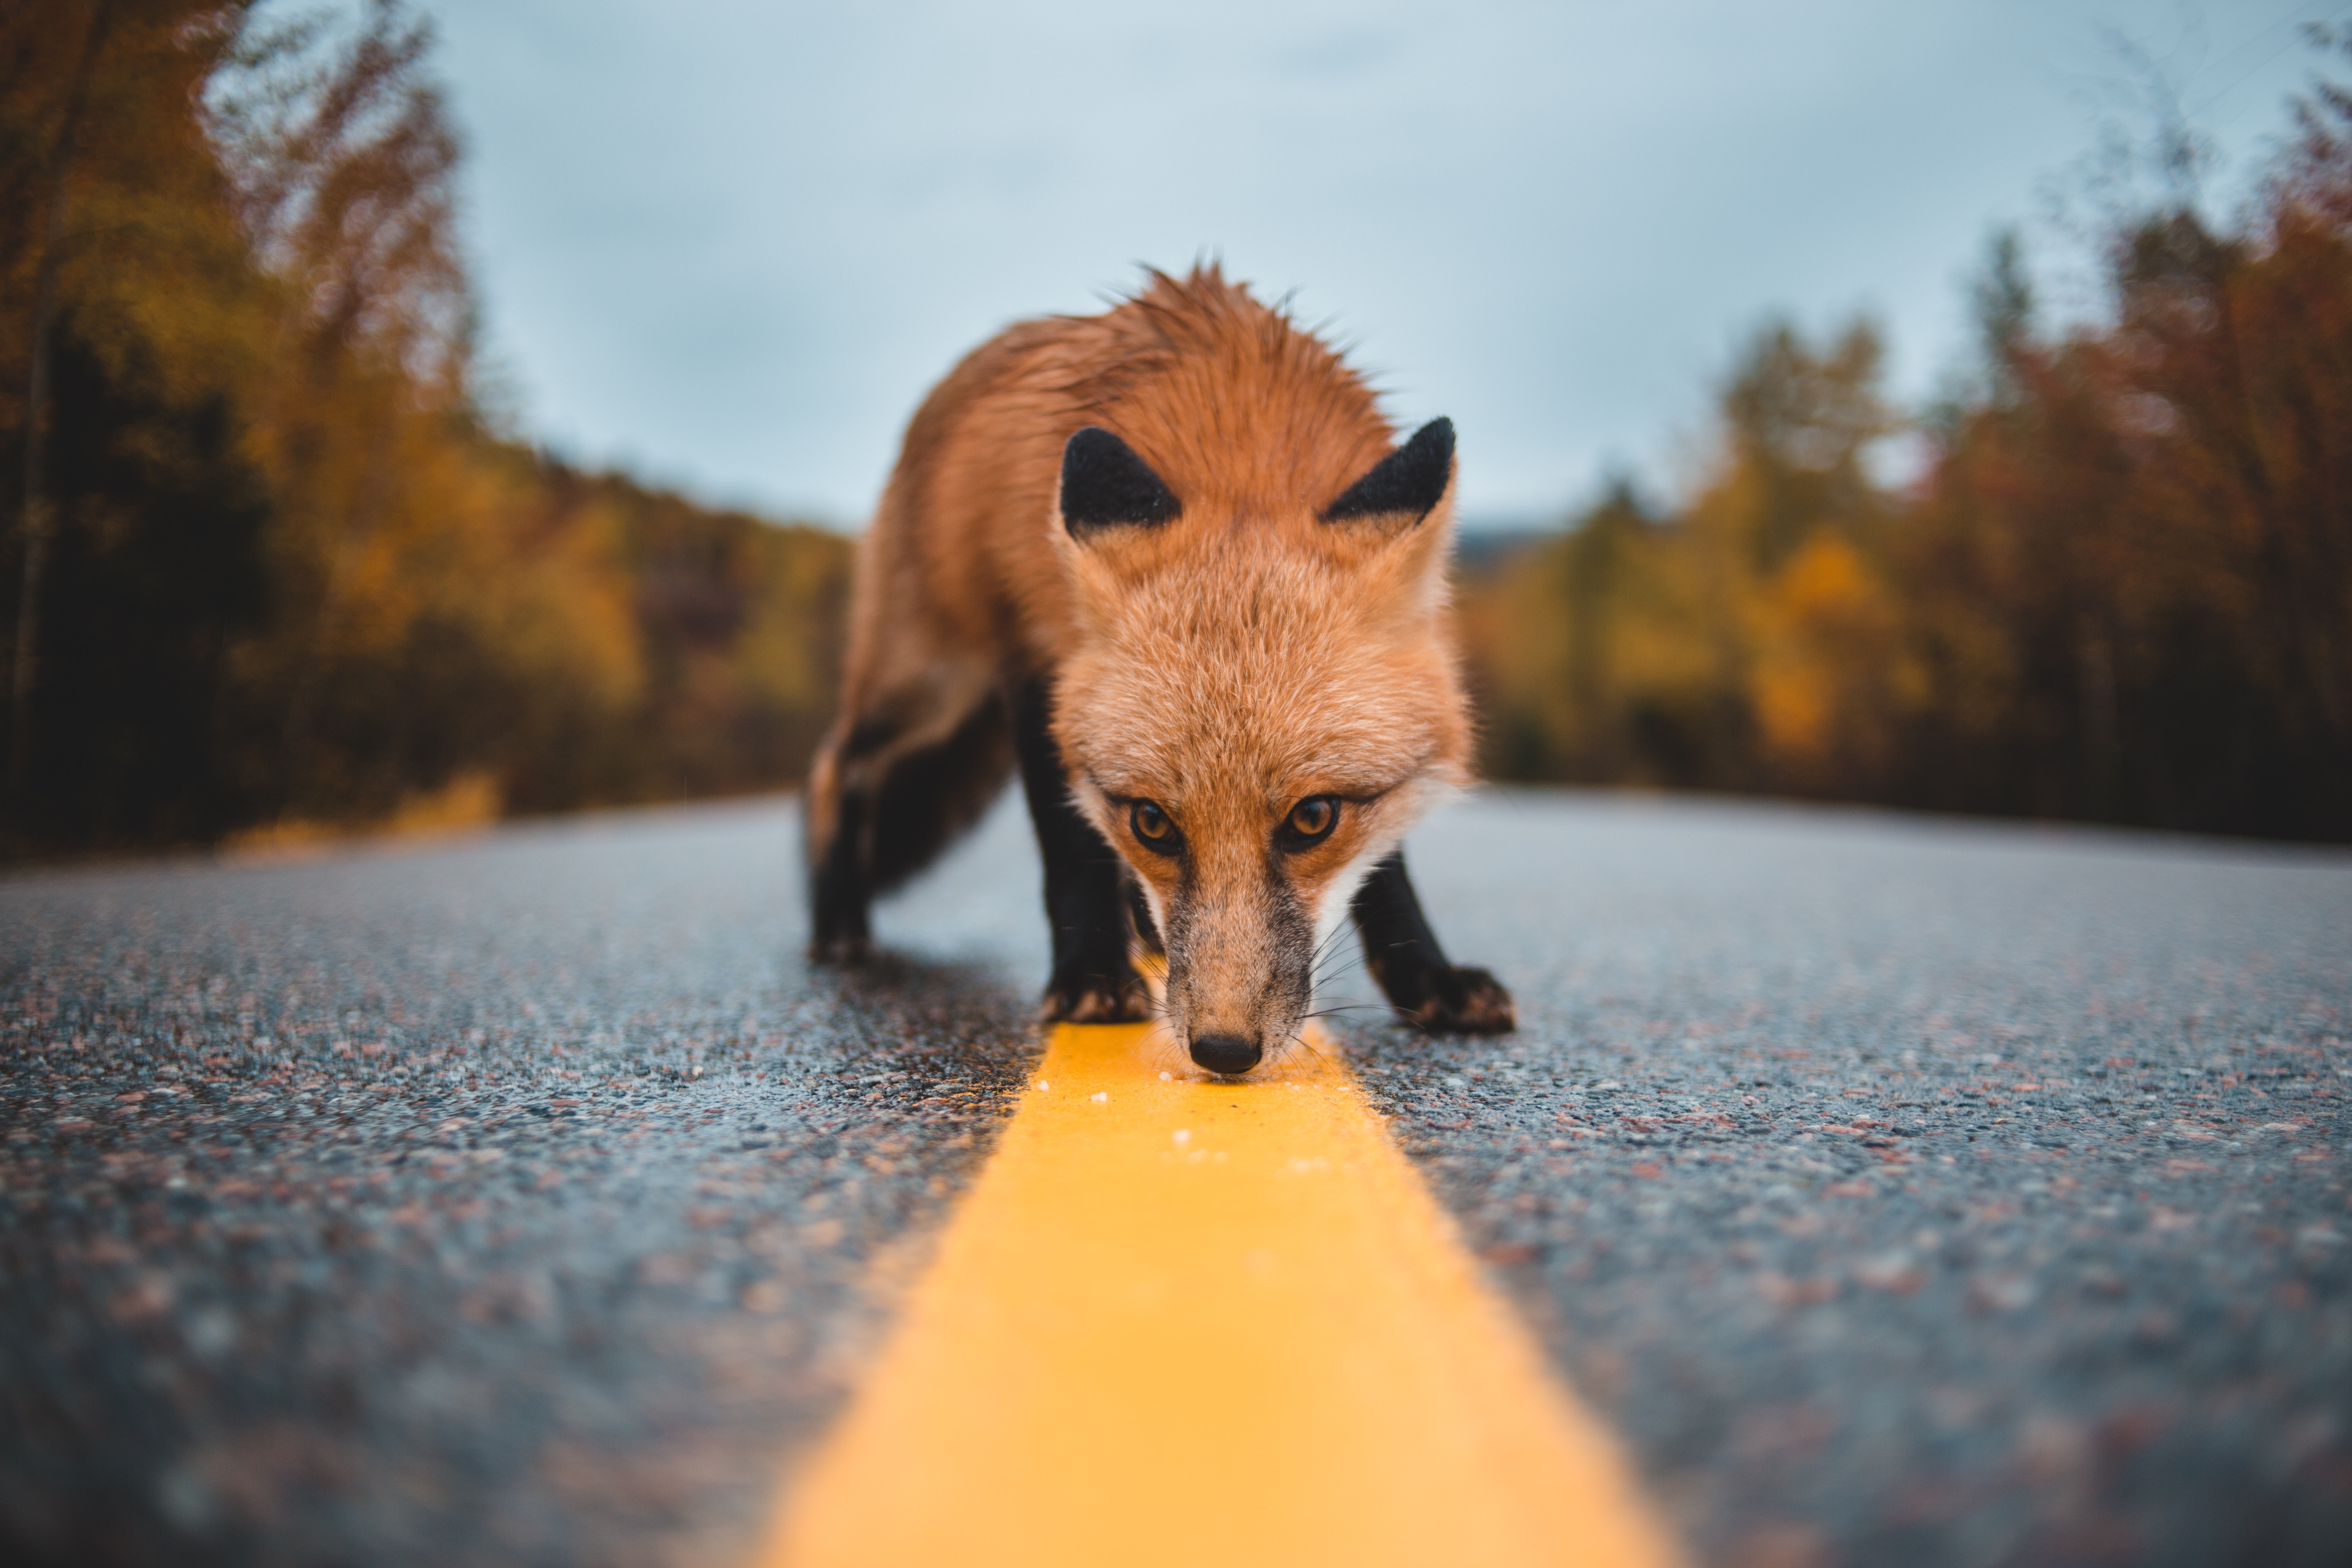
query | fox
[1169, 563]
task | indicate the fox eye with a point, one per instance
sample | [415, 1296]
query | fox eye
[1310, 822]
[1152, 827]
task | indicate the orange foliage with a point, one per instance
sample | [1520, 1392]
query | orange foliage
[294, 577]
[2123, 589]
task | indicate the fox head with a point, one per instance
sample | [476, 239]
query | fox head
[1261, 697]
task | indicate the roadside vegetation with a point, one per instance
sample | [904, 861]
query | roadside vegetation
[2120, 588]
[271, 569]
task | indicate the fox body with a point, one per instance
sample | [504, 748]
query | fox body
[1169, 562]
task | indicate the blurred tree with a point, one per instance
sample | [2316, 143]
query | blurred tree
[1541, 643]
[341, 164]
[126, 310]
[53, 198]
[2001, 301]
[280, 569]
[2122, 588]
[1744, 643]
[1798, 428]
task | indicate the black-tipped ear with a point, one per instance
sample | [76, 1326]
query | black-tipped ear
[1105, 484]
[1408, 483]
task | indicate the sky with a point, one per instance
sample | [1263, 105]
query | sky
[729, 244]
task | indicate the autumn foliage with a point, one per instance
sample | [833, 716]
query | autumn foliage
[2120, 590]
[269, 565]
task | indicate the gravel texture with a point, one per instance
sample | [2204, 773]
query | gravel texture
[1911, 1191]
[513, 1201]
[1905, 1191]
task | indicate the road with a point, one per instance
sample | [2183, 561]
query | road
[1902, 1190]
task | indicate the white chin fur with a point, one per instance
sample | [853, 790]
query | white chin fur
[1340, 892]
[1338, 896]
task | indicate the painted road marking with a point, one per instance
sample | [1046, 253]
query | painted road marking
[1179, 1323]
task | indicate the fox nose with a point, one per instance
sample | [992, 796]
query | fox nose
[1225, 1053]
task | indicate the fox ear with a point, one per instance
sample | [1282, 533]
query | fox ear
[1105, 485]
[1408, 483]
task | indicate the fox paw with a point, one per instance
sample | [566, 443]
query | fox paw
[1095, 999]
[1457, 999]
[844, 952]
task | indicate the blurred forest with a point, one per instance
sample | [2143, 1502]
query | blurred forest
[2120, 590]
[270, 572]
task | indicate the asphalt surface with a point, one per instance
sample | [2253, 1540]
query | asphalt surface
[512, 1201]
[1904, 1191]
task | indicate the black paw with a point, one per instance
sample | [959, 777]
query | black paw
[844, 952]
[1454, 999]
[1095, 999]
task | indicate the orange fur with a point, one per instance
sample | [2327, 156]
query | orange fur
[1225, 665]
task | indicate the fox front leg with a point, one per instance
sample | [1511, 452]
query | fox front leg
[1403, 953]
[1087, 892]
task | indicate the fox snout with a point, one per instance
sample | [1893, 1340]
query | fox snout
[1236, 1038]
[1228, 1054]
[1240, 974]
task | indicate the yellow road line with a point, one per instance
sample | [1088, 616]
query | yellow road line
[1208, 1325]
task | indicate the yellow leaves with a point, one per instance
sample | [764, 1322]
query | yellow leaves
[468, 803]
[1757, 637]
[1619, 627]
[1827, 667]
[351, 604]
[1793, 708]
[775, 655]
[554, 602]
[472, 799]
[1825, 585]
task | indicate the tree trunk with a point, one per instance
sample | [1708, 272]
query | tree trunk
[38, 511]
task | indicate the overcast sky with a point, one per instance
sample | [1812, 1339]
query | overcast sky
[731, 244]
